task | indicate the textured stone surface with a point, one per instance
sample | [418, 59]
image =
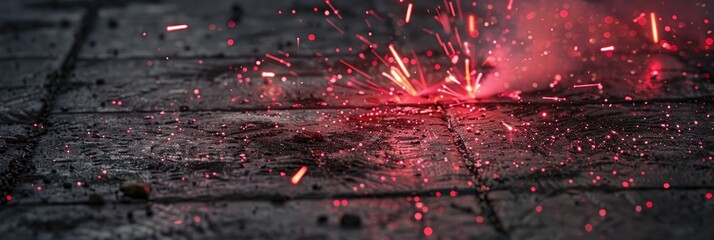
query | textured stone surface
[88, 103]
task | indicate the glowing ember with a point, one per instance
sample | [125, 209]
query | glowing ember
[172, 28]
[296, 178]
[608, 49]
[655, 34]
[409, 13]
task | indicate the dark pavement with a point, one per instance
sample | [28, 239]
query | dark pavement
[87, 104]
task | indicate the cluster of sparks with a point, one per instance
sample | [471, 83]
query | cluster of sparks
[458, 40]
[463, 64]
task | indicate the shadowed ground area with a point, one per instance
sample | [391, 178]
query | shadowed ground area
[112, 127]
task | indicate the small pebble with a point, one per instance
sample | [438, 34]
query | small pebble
[135, 189]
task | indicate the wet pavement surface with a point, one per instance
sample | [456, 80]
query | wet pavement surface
[109, 134]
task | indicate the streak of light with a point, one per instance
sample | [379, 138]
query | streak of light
[554, 98]
[367, 41]
[334, 10]
[510, 5]
[598, 85]
[296, 178]
[467, 70]
[473, 32]
[334, 26]
[399, 60]
[507, 126]
[172, 28]
[409, 13]
[356, 69]
[281, 61]
[655, 34]
[267, 74]
[608, 49]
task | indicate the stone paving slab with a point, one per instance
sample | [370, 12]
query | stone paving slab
[21, 105]
[14, 141]
[671, 214]
[25, 73]
[559, 147]
[247, 155]
[318, 219]
[28, 31]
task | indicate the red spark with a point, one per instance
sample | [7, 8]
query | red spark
[598, 85]
[473, 32]
[286, 63]
[655, 34]
[172, 28]
[608, 49]
[296, 178]
[588, 227]
[409, 13]
[554, 98]
[510, 129]
[428, 231]
[510, 5]
[399, 60]
[356, 69]
[331, 24]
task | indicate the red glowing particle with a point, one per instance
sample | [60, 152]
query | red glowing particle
[296, 178]
[625, 184]
[539, 208]
[428, 231]
[602, 212]
[479, 219]
[230, 42]
[453, 193]
[8, 198]
[709, 41]
[708, 195]
[666, 185]
[336, 203]
[649, 204]
[311, 37]
[530, 15]
[417, 216]
[564, 13]
[588, 227]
